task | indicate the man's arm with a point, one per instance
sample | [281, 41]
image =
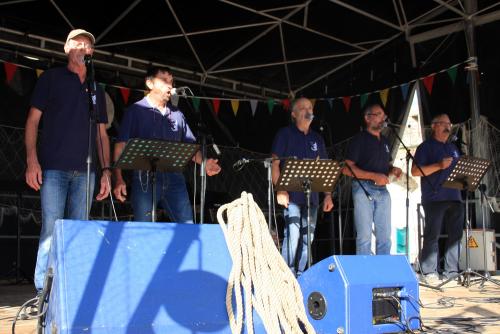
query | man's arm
[120, 189]
[33, 169]
[432, 168]
[102, 142]
[281, 196]
[211, 167]
[379, 178]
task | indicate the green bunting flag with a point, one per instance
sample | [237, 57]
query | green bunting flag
[270, 105]
[196, 103]
[452, 73]
[363, 99]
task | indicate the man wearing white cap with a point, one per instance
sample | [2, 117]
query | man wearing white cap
[61, 100]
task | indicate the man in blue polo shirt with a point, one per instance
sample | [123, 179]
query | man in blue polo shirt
[369, 158]
[442, 206]
[60, 100]
[300, 141]
[154, 118]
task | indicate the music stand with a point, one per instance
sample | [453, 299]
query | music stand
[156, 155]
[305, 176]
[466, 175]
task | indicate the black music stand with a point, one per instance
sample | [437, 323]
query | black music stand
[466, 175]
[305, 176]
[156, 155]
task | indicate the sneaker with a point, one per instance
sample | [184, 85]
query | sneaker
[431, 278]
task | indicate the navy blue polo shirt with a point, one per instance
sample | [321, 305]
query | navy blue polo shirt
[432, 151]
[290, 141]
[142, 120]
[370, 153]
[63, 100]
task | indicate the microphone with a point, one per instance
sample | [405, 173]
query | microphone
[309, 116]
[87, 60]
[452, 139]
[391, 125]
[238, 165]
[181, 91]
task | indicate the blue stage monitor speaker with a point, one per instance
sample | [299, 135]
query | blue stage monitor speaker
[134, 277]
[361, 294]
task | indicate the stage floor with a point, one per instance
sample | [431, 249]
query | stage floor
[456, 309]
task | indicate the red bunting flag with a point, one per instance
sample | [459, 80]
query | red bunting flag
[347, 102]
[216, 104]
[428, 81]
[125, 94]
[10, 70]
[286, 104]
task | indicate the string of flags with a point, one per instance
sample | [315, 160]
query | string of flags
[428, 82]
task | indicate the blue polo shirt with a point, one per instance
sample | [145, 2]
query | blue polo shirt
[430, 152]
[290, 141]
[63, 100]
[370, 153]
[142, 120]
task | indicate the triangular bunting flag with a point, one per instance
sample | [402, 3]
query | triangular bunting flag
[362, 99]
[452, 73]
[196, 103]
[428, 81]
[253, 106]
[286, 104]
[404, 90]
[347, 102]
[270, 105]
[384, 93]
[235, 105]
[313, 102]
[10, 70]
[38, 72]
[216, 104]
[330, 103]
[125, 94]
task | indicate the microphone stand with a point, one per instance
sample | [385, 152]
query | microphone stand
[268, 163]
[92, 100]
[324, 124]
[409, 157]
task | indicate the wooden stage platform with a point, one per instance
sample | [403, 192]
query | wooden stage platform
[455, 309]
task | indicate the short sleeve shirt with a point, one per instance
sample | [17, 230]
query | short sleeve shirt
[64, 102]
[432, 151]
[290, 141]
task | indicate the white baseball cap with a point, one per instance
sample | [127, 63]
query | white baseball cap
[77, 32]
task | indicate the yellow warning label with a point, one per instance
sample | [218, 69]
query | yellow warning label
[472, 242]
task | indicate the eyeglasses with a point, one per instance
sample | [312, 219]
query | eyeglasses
[443, 123]
[74, 44]
[378, 115]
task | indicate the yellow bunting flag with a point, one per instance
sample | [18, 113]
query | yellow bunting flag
[235, 104]
[383, 96]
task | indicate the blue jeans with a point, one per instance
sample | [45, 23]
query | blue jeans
[294, 248]
[171, 195]
[451, 214]
[376, 212]
[63, 196]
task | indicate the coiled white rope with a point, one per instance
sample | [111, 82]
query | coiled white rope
[259, 270]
